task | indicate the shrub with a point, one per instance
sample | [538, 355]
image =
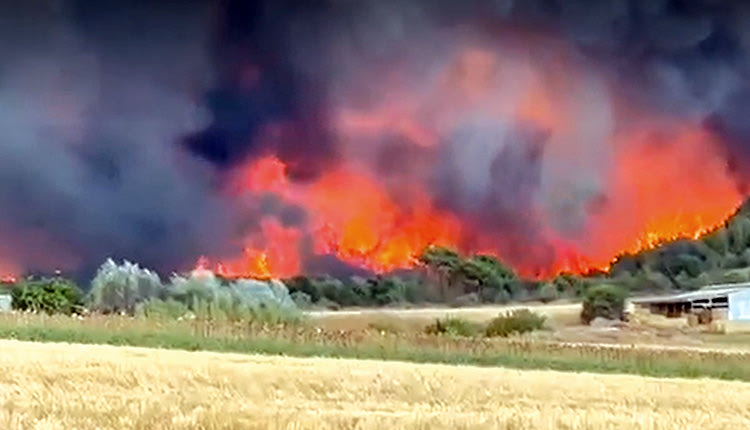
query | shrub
[200, 285]
[301, 299]
[376, 291]
[570, 285]
[391, 290]
[304, 285]
[606, 301]
[161, 309]
[326, 289]
[211, 298]
[55, 295]
[548, 292]
[385, 291]
[735, 276]
[518, 321]
[117, 288]
[489, 295]
[228, 310]
[453, 327]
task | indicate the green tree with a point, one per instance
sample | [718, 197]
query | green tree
[117, 288]
[606, 301]
[488, 277]
[442, 264]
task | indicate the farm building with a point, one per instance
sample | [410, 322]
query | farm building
[715, 302]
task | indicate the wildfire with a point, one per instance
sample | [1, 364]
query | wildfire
[355, 219]
[272, 252]
[350, 216]
[669, 185]
[665, 179]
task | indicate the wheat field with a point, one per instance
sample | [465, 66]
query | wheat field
[63, 386]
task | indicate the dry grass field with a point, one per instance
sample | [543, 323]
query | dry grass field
[63, 386]
[558, 315]
[563, 320]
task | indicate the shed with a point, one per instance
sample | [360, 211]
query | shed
[722, 301]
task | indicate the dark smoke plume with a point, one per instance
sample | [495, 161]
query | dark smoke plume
[279, 58]
[94, 95]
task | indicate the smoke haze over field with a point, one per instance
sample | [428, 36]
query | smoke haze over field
[289, 136]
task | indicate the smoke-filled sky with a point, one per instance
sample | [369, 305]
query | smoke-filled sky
[122, 122]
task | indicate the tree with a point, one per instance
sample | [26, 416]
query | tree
[117, 288]
[484, 275]
[606, 301]
[442, 263]
[490, 278]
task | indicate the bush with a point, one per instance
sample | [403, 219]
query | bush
[117, 288]
[302, 300]
[548, 293]
[515, 322]
[304, 285]
[247, 300]
[386, 291]
[488, 295]
[265, 313]
[55, 295]
[161, 309]
[452, 327]
[333, 290]
[198, 286]
[391, 290]
[567, 284]
[606, 301]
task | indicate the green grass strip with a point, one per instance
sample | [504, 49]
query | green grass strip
[727, 368]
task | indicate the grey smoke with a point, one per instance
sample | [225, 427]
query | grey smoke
[87, 152]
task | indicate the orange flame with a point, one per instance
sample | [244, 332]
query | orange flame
[668, 186]
[358, 221]
[668, 178]
[274, 252]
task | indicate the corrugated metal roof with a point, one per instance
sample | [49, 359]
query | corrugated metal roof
[712, 291]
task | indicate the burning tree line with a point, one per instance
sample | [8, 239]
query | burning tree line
[441, 275]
